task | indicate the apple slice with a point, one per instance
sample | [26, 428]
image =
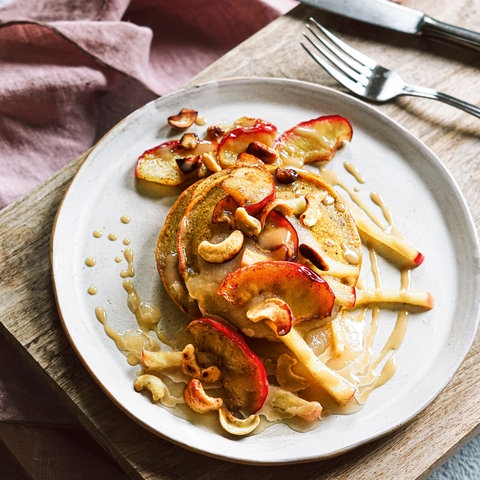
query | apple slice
[307, 294]
[345, 295]
[160, 164]
[315, 140]
[237, 140]
[278, 233]
[250, 187]
[224, 211]
[339, 389]
[243, 374]
[414, 302]
[393, 248]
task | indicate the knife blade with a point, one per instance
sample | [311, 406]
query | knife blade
[387, 14]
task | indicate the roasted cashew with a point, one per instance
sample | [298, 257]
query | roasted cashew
[312, 213]
[191, 367]
[223, 251]
[152, 383]
[189, 141]
[237, 426]
[196, 398]
[279, 205]
[184, 119]
[273, 310]
[263, 152]
[248, 224]
[298, 205]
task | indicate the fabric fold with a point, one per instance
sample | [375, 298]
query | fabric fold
[70, 70]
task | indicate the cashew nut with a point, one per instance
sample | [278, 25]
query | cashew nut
[191, 367]
[263, 152]
[273, 310]
[279, 205]
[184, 119]
[248, 224]
[152, 383]
[298, 204]
[189, 141]
[210, 162]
[237, 426]
[196, 398]
[312, 212]
[223, 251]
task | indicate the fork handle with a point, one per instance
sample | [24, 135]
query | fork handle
[445, 31]
[442, 97]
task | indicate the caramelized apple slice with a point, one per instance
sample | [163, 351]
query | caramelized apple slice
[161, 163]
[345, 295]
[315, 140]
[278, 233]
[224, 211]
[250, 187]
[158, 165]
[243, 374]
[307, 294]
[237, 141]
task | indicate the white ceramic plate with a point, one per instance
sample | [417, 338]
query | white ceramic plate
[428, 208]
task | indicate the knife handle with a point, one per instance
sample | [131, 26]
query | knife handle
[445, 31]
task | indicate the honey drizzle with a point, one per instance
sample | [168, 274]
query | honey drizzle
[373, 371]
[130, 271]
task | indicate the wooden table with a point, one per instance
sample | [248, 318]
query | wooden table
[28, 311]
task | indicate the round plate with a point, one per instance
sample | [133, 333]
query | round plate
[427, 206]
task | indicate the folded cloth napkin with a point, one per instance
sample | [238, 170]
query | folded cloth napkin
[70, 69]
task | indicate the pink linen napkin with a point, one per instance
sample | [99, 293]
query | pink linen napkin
[69, 70]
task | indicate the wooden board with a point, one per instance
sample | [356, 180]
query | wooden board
[30, 319]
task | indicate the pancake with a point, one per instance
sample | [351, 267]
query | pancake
[329, 244]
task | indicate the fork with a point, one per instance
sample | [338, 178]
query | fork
[364, 76]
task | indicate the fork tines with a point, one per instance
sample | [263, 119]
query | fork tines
[347, 65]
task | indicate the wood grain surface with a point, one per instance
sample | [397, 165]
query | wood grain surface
[28, 311]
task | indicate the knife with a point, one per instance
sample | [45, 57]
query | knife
[390, 15]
